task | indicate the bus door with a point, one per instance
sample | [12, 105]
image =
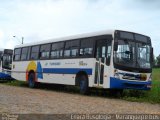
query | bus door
[103, 52]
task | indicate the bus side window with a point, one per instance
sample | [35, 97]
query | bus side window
[35, 52]
[45, 51]
[29, 53]
[86, 48]
[71, 48]
[24, 53]
[17, 54]
[67, 53]
[57, 50]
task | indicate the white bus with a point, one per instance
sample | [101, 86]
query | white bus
[111, 59]
[5, 64]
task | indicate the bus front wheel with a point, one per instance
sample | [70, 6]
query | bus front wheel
[83, 84]
[31, 80]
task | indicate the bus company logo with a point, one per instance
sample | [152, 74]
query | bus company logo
[46, 64]
[55, 63]
[81, 63]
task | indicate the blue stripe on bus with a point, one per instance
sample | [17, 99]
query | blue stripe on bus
[67, 70]
[3, 75]
[126, 84]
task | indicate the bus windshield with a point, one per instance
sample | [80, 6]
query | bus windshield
[6, 58]
[133, 54]
[7, 61]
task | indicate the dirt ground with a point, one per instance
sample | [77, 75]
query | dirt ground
[21, 100]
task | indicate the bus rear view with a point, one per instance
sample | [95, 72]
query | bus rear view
[133, 55]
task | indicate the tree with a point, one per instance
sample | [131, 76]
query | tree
[154, 61]
[158, 61]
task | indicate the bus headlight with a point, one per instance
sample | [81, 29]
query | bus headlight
[116, 75]
[143, 76]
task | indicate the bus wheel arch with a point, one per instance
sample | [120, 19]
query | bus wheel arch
[82, 81]
[78, 75]
[31, 79]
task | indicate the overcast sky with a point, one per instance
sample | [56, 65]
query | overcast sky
[38, 20]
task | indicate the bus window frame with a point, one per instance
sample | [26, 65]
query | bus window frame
[26, 53]
[117, 66]
[71, 48]
[38, 58]
[17, 54]
[94, 38]
[62, 57]
[40, 52]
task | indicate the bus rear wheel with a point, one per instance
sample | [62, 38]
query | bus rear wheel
[83, 85]
[31, 80]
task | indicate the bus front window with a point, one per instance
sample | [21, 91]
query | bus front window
[125, 55]
[143, 55]
[132, 54]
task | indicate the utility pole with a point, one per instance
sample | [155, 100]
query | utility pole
[22, 39]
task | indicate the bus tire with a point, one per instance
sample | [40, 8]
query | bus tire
[31, 80]
[83, 85]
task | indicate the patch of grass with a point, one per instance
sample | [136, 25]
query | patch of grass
[156, 74]
[152, 96]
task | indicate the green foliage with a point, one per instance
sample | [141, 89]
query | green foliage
[158, 61]
[156, 74]
[152, 96]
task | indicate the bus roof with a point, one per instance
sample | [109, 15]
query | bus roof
[84, 35]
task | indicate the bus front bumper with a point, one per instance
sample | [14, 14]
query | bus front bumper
[4, 76]
[127, 84]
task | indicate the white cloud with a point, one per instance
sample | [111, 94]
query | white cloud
[37, 20]
[1, 34]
